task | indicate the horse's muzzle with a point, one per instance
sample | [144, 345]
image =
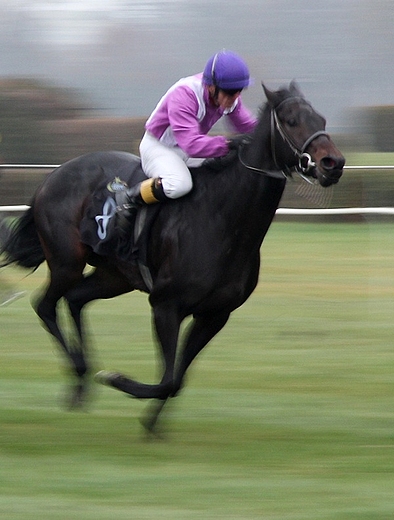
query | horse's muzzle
[329, 170]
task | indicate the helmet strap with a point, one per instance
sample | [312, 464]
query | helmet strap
[213, 69]
[213, 74]
[213, 93]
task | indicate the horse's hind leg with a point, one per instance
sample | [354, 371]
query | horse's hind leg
[60, 281]
[102, 283]
[66, 261]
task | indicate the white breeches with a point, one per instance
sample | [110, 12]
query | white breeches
[170, 164]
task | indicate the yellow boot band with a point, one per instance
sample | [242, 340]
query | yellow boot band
[146, 191]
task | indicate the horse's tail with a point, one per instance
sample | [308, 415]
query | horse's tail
[19, 242]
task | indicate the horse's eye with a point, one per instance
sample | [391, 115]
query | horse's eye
[292, 122]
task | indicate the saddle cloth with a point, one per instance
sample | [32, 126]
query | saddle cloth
[99, 228]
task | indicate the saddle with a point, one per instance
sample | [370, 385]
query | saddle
[102, 232]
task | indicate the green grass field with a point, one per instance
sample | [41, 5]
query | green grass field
[287, 415]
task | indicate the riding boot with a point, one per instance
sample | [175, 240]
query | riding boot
[128, 201]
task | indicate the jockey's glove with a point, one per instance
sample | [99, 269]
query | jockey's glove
[236, 141]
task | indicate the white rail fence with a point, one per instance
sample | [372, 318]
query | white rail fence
[279, 211]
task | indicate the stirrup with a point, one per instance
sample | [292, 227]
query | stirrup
[126, 206]
[121, 200]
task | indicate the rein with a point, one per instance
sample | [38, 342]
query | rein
[277, 174]
[305, 163]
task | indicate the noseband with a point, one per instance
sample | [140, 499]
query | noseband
[305, 163]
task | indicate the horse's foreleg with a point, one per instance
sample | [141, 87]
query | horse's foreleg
[201, 331]
[167, 322]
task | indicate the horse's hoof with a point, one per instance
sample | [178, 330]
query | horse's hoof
[149, 424]
[76, 397]
[151, 429]
[151, 418]
[104, 377]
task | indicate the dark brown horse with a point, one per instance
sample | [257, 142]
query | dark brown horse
[203, 252]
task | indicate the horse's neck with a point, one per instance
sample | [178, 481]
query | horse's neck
[257, 162]
[246, 200]
[258, 153]
[259, 193]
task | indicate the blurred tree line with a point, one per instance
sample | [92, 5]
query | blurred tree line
[371, 129]
[40, 123]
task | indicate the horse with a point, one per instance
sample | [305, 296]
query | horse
[202, 252]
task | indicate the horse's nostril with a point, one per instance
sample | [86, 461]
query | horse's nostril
[332, 163]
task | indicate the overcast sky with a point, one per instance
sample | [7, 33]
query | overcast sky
[124, 54]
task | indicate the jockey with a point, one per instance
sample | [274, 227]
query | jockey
[176, 132]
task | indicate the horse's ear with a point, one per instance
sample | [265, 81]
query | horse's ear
[272, 97]
[294, 88]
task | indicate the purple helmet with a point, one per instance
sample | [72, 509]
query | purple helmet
[226, 70]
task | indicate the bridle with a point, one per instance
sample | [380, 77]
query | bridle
[305, 162]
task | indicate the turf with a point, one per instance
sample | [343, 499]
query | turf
[287, 414]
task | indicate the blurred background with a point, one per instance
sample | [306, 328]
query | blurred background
[83, 75]
[115, 58]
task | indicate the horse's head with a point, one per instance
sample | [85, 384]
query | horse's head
[298, 137]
